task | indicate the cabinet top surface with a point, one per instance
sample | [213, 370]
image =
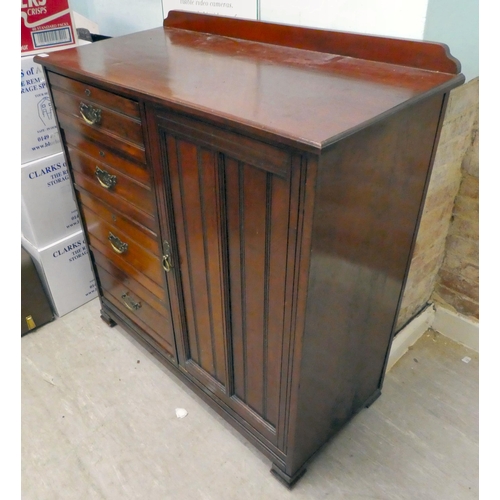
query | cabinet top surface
[306, 98]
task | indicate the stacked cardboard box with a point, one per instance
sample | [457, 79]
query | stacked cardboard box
[50, 224]
[46, 25]
[64, 268]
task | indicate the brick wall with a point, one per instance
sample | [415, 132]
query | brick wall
[445, 266]
[457, 284]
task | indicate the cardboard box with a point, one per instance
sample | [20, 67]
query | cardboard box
[39, 135]
[48, 209]
[46, 25]
[65, 270]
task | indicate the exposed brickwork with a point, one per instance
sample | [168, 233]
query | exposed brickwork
[461, 304]
[457, 284]
[448, 234]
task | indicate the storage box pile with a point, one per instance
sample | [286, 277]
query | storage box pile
[50, 224]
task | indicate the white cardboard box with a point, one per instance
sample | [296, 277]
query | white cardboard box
[48, 210]
[39, 135]
[65, 270]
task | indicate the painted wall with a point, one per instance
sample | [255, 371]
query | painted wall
[120, 17]
[403, 19]
[456, 23]
[84, 7]
[384, 17]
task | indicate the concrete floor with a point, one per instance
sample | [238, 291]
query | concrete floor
[99, 422]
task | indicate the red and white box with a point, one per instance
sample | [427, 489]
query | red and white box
[46, 25]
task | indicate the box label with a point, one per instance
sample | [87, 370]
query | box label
[48, 209]
[40, 136]
[73, 257]
[73, 251]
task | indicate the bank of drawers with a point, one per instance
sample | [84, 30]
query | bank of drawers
[104, 139]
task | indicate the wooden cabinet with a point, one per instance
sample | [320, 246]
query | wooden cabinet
[251, 195]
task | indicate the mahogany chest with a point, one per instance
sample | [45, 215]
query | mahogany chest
[251, 194]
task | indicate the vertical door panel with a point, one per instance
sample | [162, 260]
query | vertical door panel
[195, 187]
[230, 227]
[258, 205]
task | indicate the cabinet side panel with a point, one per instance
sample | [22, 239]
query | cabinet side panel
[370, 190]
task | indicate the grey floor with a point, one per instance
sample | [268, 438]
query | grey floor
[99, 422]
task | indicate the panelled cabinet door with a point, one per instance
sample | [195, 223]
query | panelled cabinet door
[229, 229]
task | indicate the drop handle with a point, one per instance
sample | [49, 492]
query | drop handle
[116, 244]
[167, 257]
[129, 302]
[105, 179]
[91, 115]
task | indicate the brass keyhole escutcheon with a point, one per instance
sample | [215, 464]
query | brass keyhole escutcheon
[167, 257]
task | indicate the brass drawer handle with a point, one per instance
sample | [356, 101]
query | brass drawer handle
[130, 303]
[91, 115]
[166, 260]
[106, 180]
[116, 244]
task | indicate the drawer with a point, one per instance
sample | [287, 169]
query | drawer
[99, 248]
[108, 179]
[100, 152]
[98, 117]
[160, 305]
[123, 147]
[122, 248]
[138, 232]
[102, 97]
[158, 326]
[87, 184]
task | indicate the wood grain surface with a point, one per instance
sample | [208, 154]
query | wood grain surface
[269, 89]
